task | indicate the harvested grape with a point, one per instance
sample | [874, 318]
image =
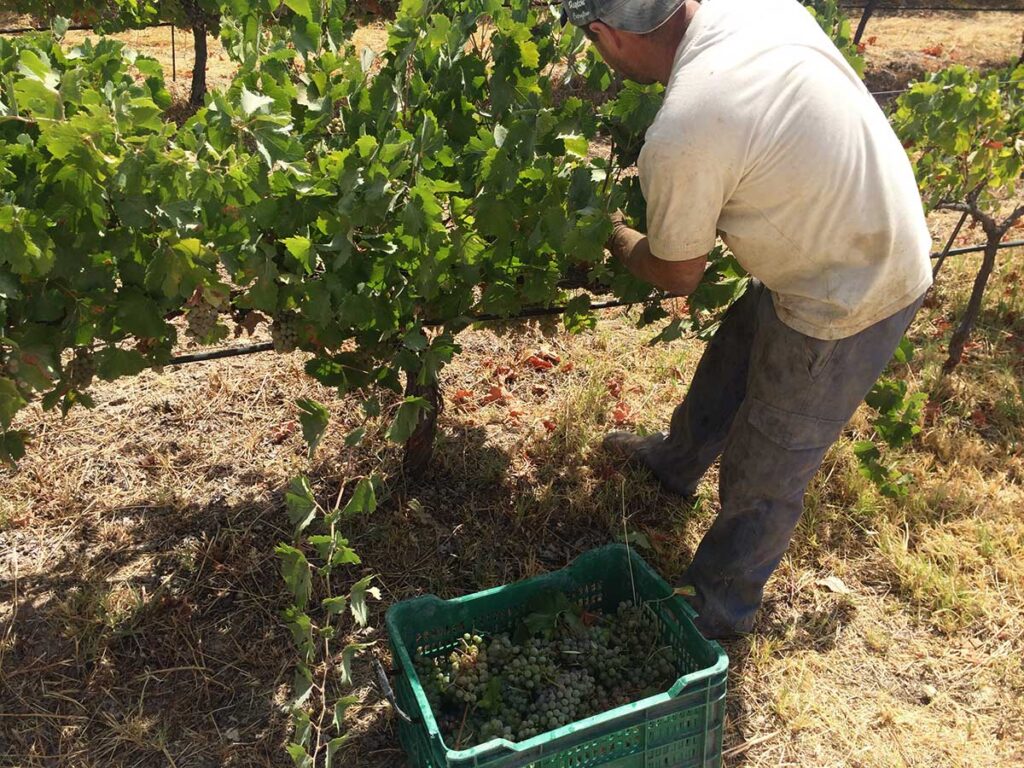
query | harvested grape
[489, 686]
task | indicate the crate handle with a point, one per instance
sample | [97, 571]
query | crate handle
[389, 693]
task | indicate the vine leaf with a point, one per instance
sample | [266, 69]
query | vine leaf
[314, 419]
[340, 707]
[253, 102]
[302, 685]
[300, 503]
[363, 501]
[347, 655]
[357, 600]
[296, 572]
[406, 419]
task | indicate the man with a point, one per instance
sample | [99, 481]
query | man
[767, 138]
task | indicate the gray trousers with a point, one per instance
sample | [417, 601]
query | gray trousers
[770, 401]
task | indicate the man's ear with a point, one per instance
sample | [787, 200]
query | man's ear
[606, 35]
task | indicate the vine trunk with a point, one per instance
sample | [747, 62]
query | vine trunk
[963, 331]
[419, 448]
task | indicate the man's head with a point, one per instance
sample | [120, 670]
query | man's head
[637, 38]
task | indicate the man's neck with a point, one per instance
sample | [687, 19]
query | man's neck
[678, 24]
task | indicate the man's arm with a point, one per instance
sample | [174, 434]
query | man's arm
[634, 250]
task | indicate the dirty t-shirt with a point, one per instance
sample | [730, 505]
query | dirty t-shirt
[769, 139]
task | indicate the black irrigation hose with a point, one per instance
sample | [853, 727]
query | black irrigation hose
[78, 28]
[249, 349]
[981, 248]
[220, 354]
[896, 7]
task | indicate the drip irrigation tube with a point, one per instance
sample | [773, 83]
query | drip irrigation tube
[250, 349]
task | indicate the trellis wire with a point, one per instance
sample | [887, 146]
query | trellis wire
[527, 314]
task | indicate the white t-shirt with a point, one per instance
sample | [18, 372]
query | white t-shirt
[769, 139]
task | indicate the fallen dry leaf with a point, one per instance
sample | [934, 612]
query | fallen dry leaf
[496, 393]
[834, 584]
[621, 412]
[539, 363]
[461, 395]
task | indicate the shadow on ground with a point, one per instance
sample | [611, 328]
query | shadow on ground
[153, 636]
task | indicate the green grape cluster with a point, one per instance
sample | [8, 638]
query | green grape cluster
[284, 332]
[336, 126]
[81, 369]
[493, 687]
[202, 321]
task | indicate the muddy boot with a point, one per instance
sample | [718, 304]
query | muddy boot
[649, 451]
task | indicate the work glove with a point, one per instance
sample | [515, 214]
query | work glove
[619, 225]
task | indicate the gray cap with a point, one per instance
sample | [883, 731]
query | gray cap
[637, 16]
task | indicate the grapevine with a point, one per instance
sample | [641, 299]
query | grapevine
[355, 199]
[963, 131]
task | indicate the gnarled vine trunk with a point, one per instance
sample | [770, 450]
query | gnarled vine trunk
[963, 331]
[419, 448]
[198, 93]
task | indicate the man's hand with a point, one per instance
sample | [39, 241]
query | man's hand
[634, 250]
[618, 240]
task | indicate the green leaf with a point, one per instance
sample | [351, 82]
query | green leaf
[577, 316]
[253, 102]
[575, 145]
[314, 418]
[905, 351]
[12, 446]
[335, 606]
[139, 315]
[355, 437]
[492, 699]
[296, 572]
[363, 500]
[406, 419]
[357, 600]
[303, 727]
[347, 655]
[300, 757]
[302, 249]
[332, 749]
[301, 627]
[300, 504]
[340, 707]
[866, 451]
[302, 685]
[301, 7]
[113, 363]
[671, 332]
[415, 340]
[11, 402]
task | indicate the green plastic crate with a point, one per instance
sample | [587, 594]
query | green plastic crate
[680, 728]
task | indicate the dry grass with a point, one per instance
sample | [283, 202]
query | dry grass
[901, 48]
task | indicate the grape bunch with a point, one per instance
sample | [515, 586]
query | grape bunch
[284, 332]
[202, 321]
[81, 369]
[336, 126]
[493, 687]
